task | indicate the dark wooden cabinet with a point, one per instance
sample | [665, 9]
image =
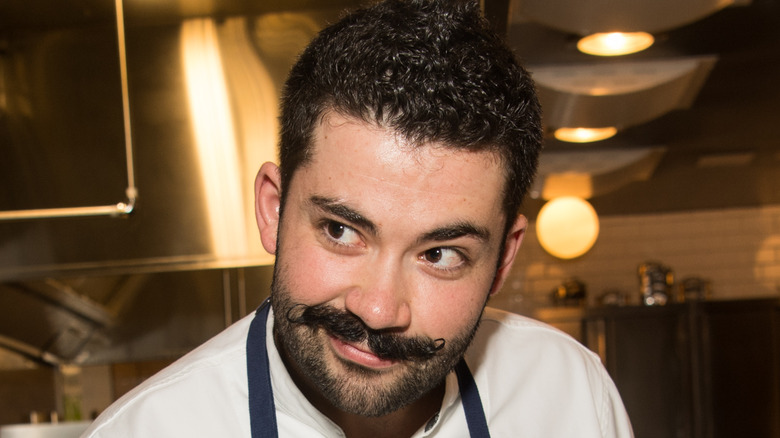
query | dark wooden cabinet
[739, 349]
[698, 369]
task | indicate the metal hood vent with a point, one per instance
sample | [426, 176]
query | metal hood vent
[202, 96]
[590, 173]
[50, 322]
[587, 17]
[618, 94]
[91, 319]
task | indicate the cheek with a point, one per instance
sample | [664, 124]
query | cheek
[446, 310]
[312, 275]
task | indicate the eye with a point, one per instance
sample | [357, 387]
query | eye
[341, 234]
[444, 258]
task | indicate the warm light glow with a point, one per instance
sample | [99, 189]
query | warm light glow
[584, 135]
[615, 43]
[212, 121]
[254, 104]
[571, 183]
[567, 227]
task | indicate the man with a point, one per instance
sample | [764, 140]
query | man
[409, 137]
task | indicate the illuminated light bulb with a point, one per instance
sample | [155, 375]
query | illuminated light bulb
[567, 227]
[584, 135]
[615, 43]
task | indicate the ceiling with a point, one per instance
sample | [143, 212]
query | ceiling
[720, 152]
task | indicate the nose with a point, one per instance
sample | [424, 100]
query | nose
[380, 297]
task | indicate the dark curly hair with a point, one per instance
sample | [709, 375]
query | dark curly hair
[430, 70]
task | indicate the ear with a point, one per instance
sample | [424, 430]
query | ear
[513, 240]
[268, 195]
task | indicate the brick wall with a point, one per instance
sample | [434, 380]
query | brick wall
[738, 250]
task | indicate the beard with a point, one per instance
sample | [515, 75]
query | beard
[301, 333]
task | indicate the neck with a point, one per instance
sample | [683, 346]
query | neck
[401, 423]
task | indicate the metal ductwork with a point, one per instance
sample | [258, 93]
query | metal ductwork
[583, 18]
[201, 99]
[49, 321]
[620, 94]
[590, 173]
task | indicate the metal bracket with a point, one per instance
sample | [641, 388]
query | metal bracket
[131, 193]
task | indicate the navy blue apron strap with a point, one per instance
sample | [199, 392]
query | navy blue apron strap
[472, 403]
[262, 412]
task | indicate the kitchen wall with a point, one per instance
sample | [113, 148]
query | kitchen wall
[738, 250]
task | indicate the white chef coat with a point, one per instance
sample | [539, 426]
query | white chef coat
[534, 381]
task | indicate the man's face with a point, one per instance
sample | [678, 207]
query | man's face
[405, 241]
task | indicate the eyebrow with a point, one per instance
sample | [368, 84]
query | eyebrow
[441, 234]
[457, 230]
[349, 214]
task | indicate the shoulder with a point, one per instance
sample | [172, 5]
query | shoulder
[539, 379]
[507, 334]
[206, 383]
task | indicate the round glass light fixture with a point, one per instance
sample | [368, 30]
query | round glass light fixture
[567, 227]
[584, 135]
[615, 43]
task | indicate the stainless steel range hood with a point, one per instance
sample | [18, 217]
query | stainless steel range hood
[202, 94]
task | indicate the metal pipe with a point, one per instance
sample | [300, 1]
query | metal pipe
[131, 192]
[30, 352]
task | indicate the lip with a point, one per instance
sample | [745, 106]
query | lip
[359, 356]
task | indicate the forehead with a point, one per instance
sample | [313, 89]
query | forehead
[362, 163]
